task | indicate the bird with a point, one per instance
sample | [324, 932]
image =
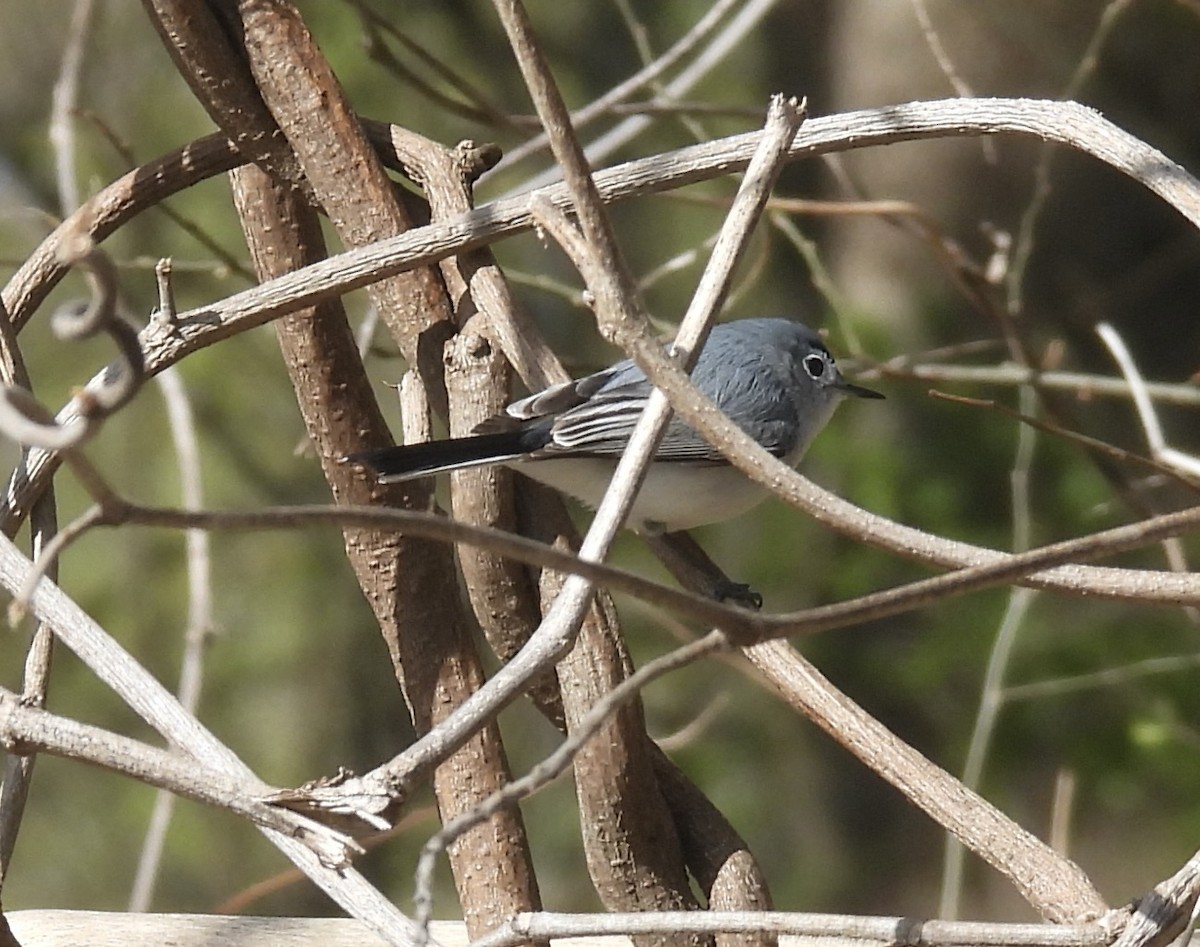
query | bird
[773, 377]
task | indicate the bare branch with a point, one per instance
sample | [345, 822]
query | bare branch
[18, 770]
[835, 929]
[582, 117]
[24, 729]
[199, 609]
[554, 764]
[1166, 911]
[1081, 383]
[64, 101]
[25, 421]
[746, 19]
[1054, 886]
[1159, 449]
[1064, 122]
[142, 692]
[410, 583]
[741, 623]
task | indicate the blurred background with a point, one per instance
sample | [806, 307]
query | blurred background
[1095, 735]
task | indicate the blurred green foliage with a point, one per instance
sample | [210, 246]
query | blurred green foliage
[298, 681]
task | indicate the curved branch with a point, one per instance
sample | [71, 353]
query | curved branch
[1063, 122]
[22, 417]
[120, 380]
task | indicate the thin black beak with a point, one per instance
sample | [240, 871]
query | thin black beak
[858, 390]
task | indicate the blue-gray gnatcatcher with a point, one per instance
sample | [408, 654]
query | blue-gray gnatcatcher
[773, 378]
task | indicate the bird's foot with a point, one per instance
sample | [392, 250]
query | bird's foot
[737, 593]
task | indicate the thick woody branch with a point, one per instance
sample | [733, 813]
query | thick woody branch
[410, 583]
[637, 863]
[477, 387]
[209, 58]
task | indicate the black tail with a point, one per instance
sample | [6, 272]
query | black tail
[422, 460]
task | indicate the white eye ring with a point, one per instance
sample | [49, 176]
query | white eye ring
[814, 365]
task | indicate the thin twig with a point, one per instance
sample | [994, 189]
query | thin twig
[481, 109]
[620, 92]
[934, 42]
[64, 101]
[142, 692]
[35, 686]
[1023, 246]
[28, 728]
[1159, 449]
[994, 568]
[1081, 383]
[1020, 600]
[1106, 677]
[991, 700]
[599, 262]
[1179, 463]
[222, 262]
[48, 557]
[1061, 810]
[199, 618]
[746, 19]
[595, 252]
[960, 85]
[556, 763]
[739, 622]
[1065, 122]
[1091, 443]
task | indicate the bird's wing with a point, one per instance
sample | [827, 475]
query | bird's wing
[595, 415]
[603, 424]
[562, 397]
[549, 402]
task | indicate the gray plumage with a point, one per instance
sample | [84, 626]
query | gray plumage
[773, 378]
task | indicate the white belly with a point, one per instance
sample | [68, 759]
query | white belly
[674, 496]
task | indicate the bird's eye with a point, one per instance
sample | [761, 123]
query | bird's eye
[814, 365]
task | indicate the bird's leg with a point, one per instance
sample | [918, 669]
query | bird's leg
[692, 568]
